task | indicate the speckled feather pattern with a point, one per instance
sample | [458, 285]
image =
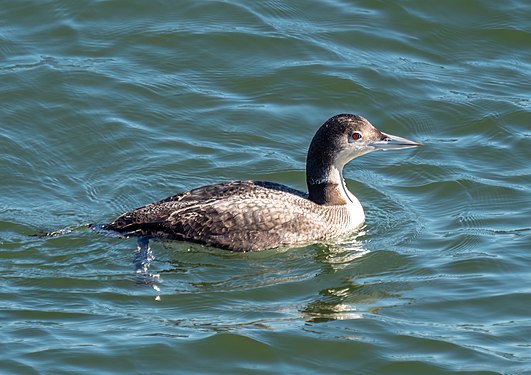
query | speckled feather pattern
[238, 216]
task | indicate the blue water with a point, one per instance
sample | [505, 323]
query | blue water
[110, 105]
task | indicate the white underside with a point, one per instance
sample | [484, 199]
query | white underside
[355, 209]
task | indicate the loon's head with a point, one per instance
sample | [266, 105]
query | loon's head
[354, 136]
[345, 137]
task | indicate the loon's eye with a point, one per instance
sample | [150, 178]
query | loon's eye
[356, 136]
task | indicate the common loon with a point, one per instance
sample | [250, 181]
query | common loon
[256, 215]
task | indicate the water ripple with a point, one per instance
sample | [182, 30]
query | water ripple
[107, 106]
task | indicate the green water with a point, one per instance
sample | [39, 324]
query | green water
[109, 105]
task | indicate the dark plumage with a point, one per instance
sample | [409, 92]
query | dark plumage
[254, 215]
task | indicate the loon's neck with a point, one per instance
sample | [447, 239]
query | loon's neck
[327, 186]
[324, 171]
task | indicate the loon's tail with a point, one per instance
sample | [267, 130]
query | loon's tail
[106, 229]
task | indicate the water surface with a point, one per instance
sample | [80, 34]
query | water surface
[109, 105]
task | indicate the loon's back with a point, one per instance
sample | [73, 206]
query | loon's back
[238, 216]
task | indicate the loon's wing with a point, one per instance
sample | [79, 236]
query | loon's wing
[239, 216]
[243, 224]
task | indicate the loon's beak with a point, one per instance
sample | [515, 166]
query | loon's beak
[393, 142]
